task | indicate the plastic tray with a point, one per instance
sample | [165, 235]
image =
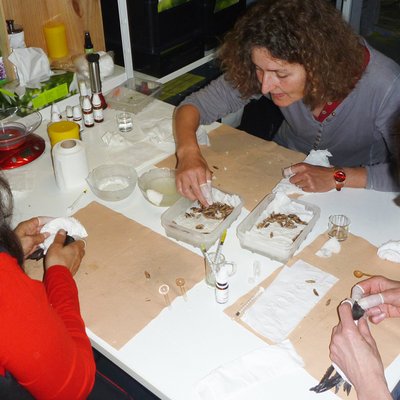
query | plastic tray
[134, 95]
[247, 243]
[193, 236]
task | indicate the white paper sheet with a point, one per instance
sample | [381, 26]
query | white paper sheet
[237, 376]
[289, 298]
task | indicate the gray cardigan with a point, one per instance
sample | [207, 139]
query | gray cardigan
[359, 132]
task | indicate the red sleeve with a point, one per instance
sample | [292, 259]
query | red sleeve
[43, 342]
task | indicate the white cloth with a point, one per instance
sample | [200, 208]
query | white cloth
[289, 298]
[390, 251]
[261, 365]
[32, 65]
[70, 224]
[331, 246]
[315, 157]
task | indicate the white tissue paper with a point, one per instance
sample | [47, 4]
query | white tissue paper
[289, 298]
[390, 251]
[158, 130]
[202, 136]
[315, 157]
[70, 224]
[114, 139]
[331, 246]
[32, 66]
[106, 65]
[260, 365]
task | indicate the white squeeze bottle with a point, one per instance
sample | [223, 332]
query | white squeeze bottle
[222, 286]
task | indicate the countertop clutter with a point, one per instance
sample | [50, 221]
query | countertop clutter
[144, 297]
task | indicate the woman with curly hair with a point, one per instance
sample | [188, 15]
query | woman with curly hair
[334, 90]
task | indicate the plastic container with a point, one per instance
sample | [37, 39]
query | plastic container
[158, 186]
[248, 242]
[12, 135]
[134, 95]
[112, 182]
[193, 236]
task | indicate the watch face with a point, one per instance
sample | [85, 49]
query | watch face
[339, 176]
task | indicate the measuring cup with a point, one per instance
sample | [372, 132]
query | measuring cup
[212, 266]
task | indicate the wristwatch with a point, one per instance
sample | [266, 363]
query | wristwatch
[339, 176]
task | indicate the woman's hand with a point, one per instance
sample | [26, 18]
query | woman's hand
[354, 351]
[313, 178]
[69, 256]
[193, 177]
[29, 234]
[386, 304]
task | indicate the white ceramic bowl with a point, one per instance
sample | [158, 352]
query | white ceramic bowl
[158, 186]
[112, 182]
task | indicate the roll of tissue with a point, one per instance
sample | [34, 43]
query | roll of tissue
[70, 164]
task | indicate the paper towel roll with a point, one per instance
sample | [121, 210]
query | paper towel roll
[70, 164]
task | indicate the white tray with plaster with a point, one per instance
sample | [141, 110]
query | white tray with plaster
[203, 236]
[275, 246]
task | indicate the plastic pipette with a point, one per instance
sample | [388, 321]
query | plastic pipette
[220, 244]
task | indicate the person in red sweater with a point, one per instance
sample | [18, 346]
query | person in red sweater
[45, 353]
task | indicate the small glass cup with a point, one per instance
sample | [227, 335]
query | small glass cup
[212, 266]
[124, 122]
[338, 227]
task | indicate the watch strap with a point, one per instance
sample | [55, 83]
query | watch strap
[340, 177]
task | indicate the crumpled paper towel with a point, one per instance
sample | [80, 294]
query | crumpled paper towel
[70, 224]
[106, 65]
[32, 66]
[315, 157]
[158, 130]
[287, 300]
[331, 246]
[261, 365]
[113, 139]
[390, 251]
[202, 136]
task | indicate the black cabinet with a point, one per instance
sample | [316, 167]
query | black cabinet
[169, 34]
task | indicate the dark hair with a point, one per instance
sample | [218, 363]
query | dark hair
[9, 241]
[307, 32]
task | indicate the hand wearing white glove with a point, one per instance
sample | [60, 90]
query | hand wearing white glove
[379, 296]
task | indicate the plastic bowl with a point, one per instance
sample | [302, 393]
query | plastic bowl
[158, 186]
[112, 182]
[12, 135]
[29, 117]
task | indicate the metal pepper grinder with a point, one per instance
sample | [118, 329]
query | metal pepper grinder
[94, 75]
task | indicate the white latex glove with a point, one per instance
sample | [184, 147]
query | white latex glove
[366, 302]
[206, 190]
